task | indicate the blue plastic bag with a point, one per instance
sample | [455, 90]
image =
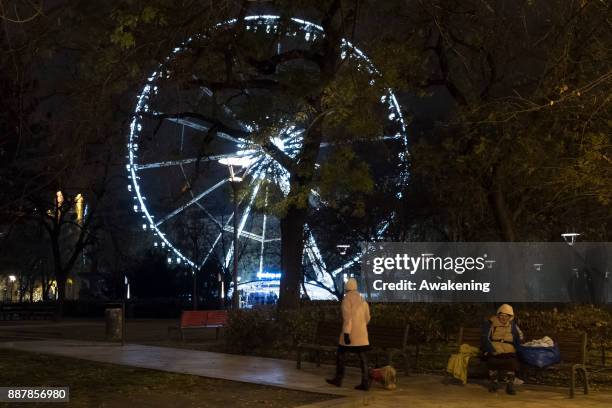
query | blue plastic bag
[539, 356]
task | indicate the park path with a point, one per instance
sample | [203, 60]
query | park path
[420, 391]
[256, 370]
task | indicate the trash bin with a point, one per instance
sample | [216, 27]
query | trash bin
[114, 324]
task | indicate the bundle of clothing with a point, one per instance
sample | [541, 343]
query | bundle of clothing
[543, 342]
[458, 363]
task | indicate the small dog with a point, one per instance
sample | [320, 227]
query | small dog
[384, 375]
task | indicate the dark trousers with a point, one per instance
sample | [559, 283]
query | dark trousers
[363, 361]
[506, 362]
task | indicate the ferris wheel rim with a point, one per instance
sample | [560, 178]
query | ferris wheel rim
[134, 167]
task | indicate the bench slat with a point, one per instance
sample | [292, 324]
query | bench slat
[216, 317]
[193, 318]
[391, 337]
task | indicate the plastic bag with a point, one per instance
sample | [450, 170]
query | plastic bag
[539, 356]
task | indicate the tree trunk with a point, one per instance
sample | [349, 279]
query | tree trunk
[44, 282]
[292, 223]
[22, 288]
[292, 248]
[61, 294]
[502, 213]
[32, 283]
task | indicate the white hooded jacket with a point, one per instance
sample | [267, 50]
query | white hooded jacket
[355, 318]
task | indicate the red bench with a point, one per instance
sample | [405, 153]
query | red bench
[201, 319]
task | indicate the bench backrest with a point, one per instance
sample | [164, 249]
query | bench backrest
[328, 333]
[388, 337]
[469, 335]
[216, 317]
[193, 318]
[198, 318]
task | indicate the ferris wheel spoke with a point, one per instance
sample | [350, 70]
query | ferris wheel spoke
[203, 128]
[243, 221]
[197, 198]
[212, 217]
[315, 262]
[225, 227]
[226, 109]
[263, 233]
[346, 265]
[212, 248]
[374, 140]
[191, 202]
[245, 234]
[316, 259]
[181, 162]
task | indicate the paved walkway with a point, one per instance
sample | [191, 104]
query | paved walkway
[419, 391]
[256, 370]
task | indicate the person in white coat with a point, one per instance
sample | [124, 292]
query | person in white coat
[354, 335]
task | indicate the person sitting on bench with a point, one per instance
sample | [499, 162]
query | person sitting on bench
[500, 339]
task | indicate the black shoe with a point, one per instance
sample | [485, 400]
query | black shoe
[334, 381]
[510, 388]
[493, 386]
[363, 387]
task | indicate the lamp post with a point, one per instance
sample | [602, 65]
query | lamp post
[12, 280]
[235, 296]
[342, 248]
[232, 162]
[570, 239]
[194, 300]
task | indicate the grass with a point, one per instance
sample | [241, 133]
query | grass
[108, 385]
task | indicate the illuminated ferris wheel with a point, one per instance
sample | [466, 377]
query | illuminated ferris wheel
[178, 171]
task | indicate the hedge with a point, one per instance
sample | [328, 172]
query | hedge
[252, 331]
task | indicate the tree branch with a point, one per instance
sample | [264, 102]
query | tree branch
[253, 83]
[268, 66]
[221, 127]
[445, 81]
[270, 148]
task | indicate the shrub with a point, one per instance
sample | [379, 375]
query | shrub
[253, 331]
[249, 331]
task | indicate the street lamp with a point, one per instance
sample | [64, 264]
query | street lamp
[237, 162]
[12, 280]
[570, 237]
[342, 248]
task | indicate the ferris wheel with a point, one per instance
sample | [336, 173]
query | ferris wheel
[178, 171]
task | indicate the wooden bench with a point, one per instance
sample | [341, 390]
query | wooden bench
[573, 347]
[388, 341]
[200, 319]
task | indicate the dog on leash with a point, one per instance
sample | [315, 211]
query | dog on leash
[384, 376]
